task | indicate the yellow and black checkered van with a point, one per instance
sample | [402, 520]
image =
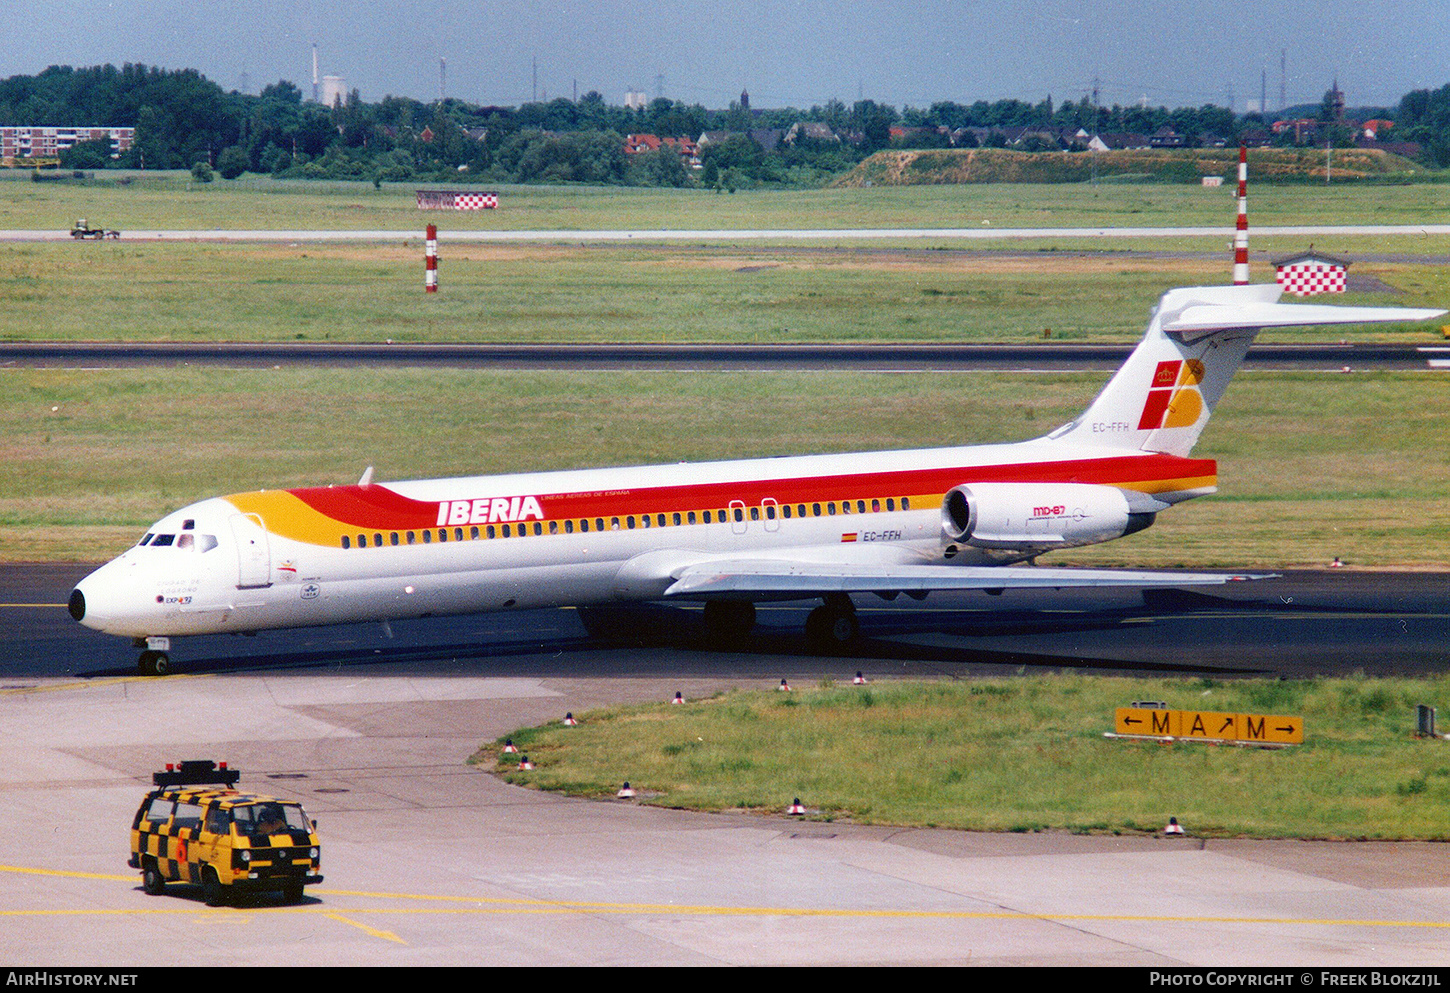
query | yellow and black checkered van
[195, 827]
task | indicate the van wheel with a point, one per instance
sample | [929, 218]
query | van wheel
[212, 888]
[152, 881]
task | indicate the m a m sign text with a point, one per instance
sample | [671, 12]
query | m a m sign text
[1207, 725]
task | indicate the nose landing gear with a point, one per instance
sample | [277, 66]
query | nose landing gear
[154, 661]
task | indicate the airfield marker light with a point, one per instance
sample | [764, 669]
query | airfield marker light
[860, 680]
[624, 791]
[1241, 231]
[508, 747]
[524, 762]
[1173, 827]
[569, 721]
[784, 687]
[430, 261]
[679, 698]
[795, 809]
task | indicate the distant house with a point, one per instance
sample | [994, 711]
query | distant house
[809, 131]
[688, 150]
[1166, 137]
[1118, 140]
[767, 138]
[636, 144]
[970, 137]
[1375, 129]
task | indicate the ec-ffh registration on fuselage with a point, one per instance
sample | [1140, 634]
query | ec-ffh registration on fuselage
[730, 534]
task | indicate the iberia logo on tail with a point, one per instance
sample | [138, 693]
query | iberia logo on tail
[1173, 398]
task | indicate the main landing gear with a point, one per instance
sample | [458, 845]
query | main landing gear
[728, 622]
[154, 661]
[833, 625]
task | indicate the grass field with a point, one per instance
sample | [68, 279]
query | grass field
[355, 292]
[172, 201]
[918, 291]
[1020, 754]
[1311, 466]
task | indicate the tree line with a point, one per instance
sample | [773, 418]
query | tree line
[183, 120]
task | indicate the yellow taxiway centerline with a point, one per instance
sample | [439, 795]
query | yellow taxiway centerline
[500, 906]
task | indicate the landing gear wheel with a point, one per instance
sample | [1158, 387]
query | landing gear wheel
[728, 622]
[833, 626]
[154, 663]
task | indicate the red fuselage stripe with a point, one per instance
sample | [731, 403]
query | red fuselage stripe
[377, 507]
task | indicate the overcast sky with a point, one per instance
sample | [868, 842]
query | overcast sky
[1171, 52]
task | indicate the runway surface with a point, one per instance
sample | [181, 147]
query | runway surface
[872, 358]
[430, 862]
[1300, 624]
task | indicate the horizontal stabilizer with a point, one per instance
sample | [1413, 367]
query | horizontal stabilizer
[1195, 320]
[772, 579]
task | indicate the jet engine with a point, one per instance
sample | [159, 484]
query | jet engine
[1031, 517]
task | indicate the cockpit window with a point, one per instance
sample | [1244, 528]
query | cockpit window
[195, 541]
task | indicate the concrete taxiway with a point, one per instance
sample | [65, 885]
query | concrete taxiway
[431, 862]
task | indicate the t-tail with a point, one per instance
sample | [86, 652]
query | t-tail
[1162, 397]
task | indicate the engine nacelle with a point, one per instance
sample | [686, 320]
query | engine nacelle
[1036, 516]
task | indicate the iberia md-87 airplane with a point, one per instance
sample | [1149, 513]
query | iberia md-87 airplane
[728, 534]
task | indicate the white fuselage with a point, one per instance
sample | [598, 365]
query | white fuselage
[332, 555]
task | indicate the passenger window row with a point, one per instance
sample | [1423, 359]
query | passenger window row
[583, 525]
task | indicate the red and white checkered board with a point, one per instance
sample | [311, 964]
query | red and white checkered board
[1309, 280]
[475, 201]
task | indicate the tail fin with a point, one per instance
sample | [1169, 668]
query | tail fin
[1162, 397]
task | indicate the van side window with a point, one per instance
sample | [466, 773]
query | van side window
[218, 821]
[188, 815]
[160, 810]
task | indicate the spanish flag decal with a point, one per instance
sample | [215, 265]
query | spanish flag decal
[849, 537]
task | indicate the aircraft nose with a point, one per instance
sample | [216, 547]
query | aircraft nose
[108, 599]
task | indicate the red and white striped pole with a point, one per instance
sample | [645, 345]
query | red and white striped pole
[430, 279]
[1241, 234]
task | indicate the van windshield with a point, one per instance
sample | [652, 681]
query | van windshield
[262, 819]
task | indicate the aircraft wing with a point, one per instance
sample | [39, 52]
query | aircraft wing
[774, 579]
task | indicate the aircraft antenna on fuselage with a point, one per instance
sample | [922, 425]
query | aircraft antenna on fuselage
[367, 477]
